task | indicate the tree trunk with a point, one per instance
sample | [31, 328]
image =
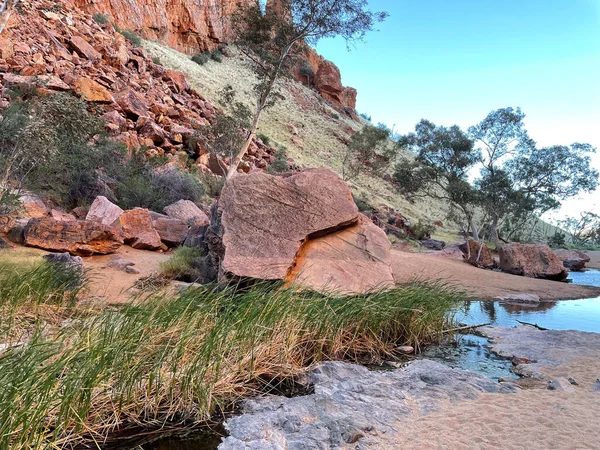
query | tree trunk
[236, 162]
[494, 232]
[474, 229]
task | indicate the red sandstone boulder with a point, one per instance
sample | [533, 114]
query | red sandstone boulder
[84, 49]
[172, 232]
[92, 91]
[354, 260]
[477, 254]
[6, 223]
[531, 260]
[132, 103]
[264, 220]
[32, 206]
[139, 232]
[103, 211]
[76, 237]
[574, 260]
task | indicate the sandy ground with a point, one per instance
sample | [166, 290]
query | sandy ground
[535, 418]
[114, 285]
[595, 259]
[479, 283]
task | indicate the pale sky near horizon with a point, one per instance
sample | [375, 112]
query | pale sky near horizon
[453, 62]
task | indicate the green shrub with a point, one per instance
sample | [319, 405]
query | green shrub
[558, 240]
[200, 58]
[306, 70]
[423, 230]
[100, 18]
[361, 204]
[264, 138]
[335, 116]
[156, 60]
[184, 265]
[280, 163]
[216, 55]
[132, 37]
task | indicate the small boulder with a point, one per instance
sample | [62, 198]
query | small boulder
[132, 103]
[561, 384]
[433, 244]
[187, 210]
[574, 260]
[531, 260]
[61, 215]
[172, 232]
[131, 270]
[93, 91]
[33, 206]
[84, 49]
[103, 211]
[16, 234]
[477, 254]
[4, 244]
[119, 263]
[66, 259]
[78, 237]
[6, 223]
[139, 233]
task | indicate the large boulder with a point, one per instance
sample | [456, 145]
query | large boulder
[103, 211]
[32, 206]
[262, 220]
[574, 260]
[531, 260]
[139, 232]
[477, 254]
[354, 260]
[77, 237]
[187, 210]
[172, 232]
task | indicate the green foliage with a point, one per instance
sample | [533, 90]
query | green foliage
[184, 265]
[583, 230]
[306, 70]
[335, 116]
[216, 55]
[423, 230]
[100, 18]
[280, 163]
[201, 58]
[361, 204]
[177, 359]
[264, 138]
[558, 240]
[366, 117]
[156, 60]
[369, 150]
[132, 37]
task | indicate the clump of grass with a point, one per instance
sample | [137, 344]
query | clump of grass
[216, 55]
[179, 359]
[132, 37]
[264, 138]
[184, 265]
[100, 18]
[200, 58]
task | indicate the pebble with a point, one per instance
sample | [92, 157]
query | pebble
[131, 269]
[406, 349]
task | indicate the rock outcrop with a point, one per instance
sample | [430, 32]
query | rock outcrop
[574, 260]
[477, 254]
[186, 25]
[354, 260]
[78, 238]
[531, 260]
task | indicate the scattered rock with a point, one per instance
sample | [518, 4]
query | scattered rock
[406, 349]
[574, 260]
[47, 81]
[66, 259]
[433, 244]
[262, 220]
[81, 46]
[131, 270]
[560, 384]
[187, 210]
[354, 260]
[78, 237]
[61, 215]
[33, 206]
[531, 260]
[139, 233]
[92, 91]
[118, 262]
[16, 234]
[477, 254]
[103, 211]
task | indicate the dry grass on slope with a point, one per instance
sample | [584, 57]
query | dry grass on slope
[319, 130]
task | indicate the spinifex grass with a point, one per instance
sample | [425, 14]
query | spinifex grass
[177, 360]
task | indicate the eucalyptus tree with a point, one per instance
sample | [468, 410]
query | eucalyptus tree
[268, 36]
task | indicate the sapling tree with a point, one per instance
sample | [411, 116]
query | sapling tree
[369, 150]
[268, 37]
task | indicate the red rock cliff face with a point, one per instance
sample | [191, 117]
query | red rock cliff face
[186, 25]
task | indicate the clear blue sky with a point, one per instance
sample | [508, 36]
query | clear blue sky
[453, 61]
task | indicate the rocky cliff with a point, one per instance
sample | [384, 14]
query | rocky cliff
[190, 26]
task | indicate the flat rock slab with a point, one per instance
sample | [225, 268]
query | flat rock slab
[352, 405]
[353, 260]
[78, 237]
[264, 219]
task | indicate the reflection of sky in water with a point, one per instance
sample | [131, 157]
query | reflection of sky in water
[581, 315]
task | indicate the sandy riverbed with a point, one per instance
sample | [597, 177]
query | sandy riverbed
[482, 284]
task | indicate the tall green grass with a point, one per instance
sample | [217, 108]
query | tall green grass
[179, 359]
